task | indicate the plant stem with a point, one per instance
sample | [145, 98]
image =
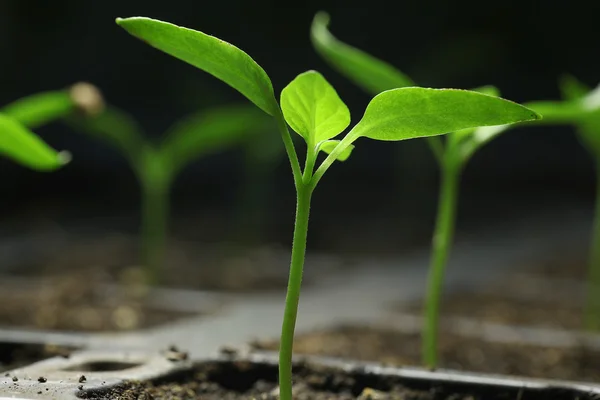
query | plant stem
[292, 298]
[442, 239]
[155, 212]
[289, 149]
[592, 310]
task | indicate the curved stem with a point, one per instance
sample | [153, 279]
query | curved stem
[155, 213]
[293, 292]
[592, 309]
[289, 148]
[331, 157]
[442, 239]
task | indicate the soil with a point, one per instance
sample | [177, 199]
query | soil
[246, 381]
[15, 355]
[511, 311]
[72, 302]
[219, 267]
[460, 353]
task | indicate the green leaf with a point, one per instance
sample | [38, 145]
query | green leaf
[26, 148]
[464, 134]
[115, 127]
[369, 73]
[313, 109]
[572, 88]
[210, 54]
[38, 109]
[328, 146]
[210, 131]
[407, 113]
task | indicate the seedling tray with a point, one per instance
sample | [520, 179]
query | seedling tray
[347, 379]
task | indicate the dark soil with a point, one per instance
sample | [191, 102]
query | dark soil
[459, 353]
[72, 302]
[512, 311]
[246, 381]
[16, 355]
[188, 265]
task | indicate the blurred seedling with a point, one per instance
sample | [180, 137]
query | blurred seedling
[19, 118]
[580, 97]
[313, 109]
[156, 164]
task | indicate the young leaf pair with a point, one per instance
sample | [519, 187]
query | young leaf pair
[19, 118]
[314, 110]
[156, 165]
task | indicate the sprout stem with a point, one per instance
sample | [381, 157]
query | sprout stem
[304, 193]
[442, 239]
[155, 213]
[592, 309]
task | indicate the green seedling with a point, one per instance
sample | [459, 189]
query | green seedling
[19, 118]
[579, 96]
[374, 75]
[157, 165]
[313, 109]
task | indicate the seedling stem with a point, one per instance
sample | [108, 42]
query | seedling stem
[442, 241]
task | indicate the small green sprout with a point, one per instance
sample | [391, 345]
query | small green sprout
[374, 76]
[18, 118]
[157, 165]
[313, 109]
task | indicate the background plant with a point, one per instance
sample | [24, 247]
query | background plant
[581, 108]
[374, 75]
[314, 110]
[157, 164]
[19, 118]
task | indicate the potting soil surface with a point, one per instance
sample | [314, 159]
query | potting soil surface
[506, 310]
[459, 353]
[187, 265]
[245, 381]
[72, 302]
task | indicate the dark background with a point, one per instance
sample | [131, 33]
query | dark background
[520, 46]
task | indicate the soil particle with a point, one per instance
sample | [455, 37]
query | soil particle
[41, 379]
[15, 379]
[82, 379]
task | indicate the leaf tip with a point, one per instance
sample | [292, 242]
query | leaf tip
[322, 18]
[64, 157]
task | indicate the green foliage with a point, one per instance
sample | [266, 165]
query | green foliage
[208, 53]
[24, 147]
[366, 71]
[586, 115]
[209, 131]
[329, 146]
[313, 109]
[115, 127]
[407, 113]
[39, 109]
[156, 165]
[471, 119]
